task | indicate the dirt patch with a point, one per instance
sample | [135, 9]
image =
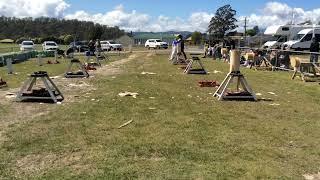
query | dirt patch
[150, 54]
[114, 68]
[312, 176]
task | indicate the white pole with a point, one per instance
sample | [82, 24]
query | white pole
[56, 55]
[314, 27]
[39, 59]
[130, 48]
[9, 65]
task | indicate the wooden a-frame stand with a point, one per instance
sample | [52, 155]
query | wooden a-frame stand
[103, 56]
[313, 68]
[222, 92]
[95, 62]
[189, 69]
[82, 73]
[264, 64]
[49, 92]
[179, 60]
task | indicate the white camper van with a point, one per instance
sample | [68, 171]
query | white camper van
[283, 34]
[303, 39]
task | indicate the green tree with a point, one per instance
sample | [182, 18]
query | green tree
[44, 27]
[251, 32]
[61, 39]
[254, 31]
[19, 40]
[68, 39]
[196, 38]
[223, 21]
[95, 32]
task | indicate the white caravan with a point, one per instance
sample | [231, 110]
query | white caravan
[302, 41]
[283, 34]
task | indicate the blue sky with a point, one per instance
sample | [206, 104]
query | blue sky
[169, 7]
[165, 15]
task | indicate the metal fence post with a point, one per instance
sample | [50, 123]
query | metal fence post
[9, 65]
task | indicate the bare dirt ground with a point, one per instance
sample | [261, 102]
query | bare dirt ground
[312, 176]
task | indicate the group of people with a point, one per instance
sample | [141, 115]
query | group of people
[95, 47]
[283, 57]
[214, 48]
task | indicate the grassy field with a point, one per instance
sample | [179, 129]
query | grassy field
[178, 130]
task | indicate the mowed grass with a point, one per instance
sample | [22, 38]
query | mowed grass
[179, 131]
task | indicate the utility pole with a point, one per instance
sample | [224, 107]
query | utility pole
[245, 31]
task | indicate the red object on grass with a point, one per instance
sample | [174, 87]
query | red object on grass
[90, 68]
[209, 84]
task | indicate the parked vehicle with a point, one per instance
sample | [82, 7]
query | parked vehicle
[302, 41]
[79, 46]
[27, 46]
[283, 34]
[50, 46]
[156, 43]
[111, 46]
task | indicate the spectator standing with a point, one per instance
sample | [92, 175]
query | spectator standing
[314, 48]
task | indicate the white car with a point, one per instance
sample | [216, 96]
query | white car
[275, 44]
[50, 46]
[156, 43]
[110, 46]
[27, 46]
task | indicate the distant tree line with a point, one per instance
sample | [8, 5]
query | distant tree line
[60, 30]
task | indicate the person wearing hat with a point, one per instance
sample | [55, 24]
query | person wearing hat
[314, 48]
[181, 46]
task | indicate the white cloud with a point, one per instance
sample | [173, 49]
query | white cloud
[117, 17]
[276, 13]
[133, 21]
[33, 8]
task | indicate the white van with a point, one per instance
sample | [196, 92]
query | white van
[303, 39]
[283, 34]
